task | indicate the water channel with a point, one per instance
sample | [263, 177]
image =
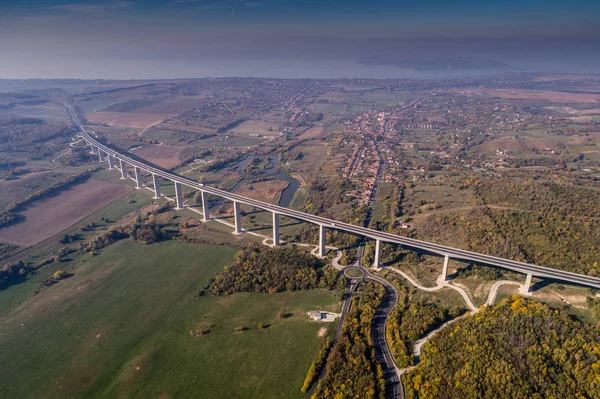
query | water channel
[273, 171]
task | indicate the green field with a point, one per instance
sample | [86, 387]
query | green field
[120, 327]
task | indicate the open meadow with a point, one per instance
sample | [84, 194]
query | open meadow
[127, 323]
[165, 156]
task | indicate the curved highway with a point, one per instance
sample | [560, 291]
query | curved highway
[393, 388]
[454, 253]
[393, 382]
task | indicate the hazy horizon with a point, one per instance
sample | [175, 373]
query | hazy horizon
[294, 38]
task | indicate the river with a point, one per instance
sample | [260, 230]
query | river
[273, 171]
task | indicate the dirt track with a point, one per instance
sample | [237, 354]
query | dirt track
[48, 217]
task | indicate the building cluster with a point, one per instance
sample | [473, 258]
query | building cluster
[372, 138]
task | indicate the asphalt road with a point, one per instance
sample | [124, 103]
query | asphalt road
[393, 383]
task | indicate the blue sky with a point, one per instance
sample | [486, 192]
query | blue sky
[50, 38]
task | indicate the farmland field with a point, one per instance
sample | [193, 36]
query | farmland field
[50, 216]
[257, 127]
[126, 119]
[47, 111]
[120, 327]
[14, 190]
[554, 96]
[165, 156]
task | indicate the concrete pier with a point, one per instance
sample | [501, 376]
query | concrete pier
[527, 286]
[205, 210]
[237, 216]
[377, 254]
[445, 268]
[93, 149]
[322, 250]
[275, 229]
[138, 177]
[100, 156]
[178, 196]
[111, 162]
[124, 174]
[156, 184]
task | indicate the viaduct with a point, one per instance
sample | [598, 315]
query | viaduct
[117, 160]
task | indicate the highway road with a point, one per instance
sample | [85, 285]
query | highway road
[453, 253]
[393, 388]
[393, 383]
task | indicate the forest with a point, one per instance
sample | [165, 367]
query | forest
[261, 269]
[30, 136]
[411, 320]
[543, 197]
[558, 241]
[548, 224]
[518, 349]
[352, 370]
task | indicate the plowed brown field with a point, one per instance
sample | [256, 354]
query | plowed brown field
[48, 217]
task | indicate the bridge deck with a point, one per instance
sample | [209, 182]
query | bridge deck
[454, 253]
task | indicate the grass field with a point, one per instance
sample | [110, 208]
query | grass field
[119, 327]
[46, 111]
[520, 94]
[113, 212]
[126, 119]
[257, 127]
[165, 156]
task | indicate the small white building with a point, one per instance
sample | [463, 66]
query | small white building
[316, 315]
[326, 317]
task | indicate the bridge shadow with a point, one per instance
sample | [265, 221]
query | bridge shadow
[545, 282]
[465, 269]
[269, 227]
[538, 285]
[221, 217]
[134, 157]
[255, 211]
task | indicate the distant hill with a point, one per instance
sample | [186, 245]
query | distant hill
[432, 64]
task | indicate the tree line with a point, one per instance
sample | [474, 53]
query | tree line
[260, 269]
[352, 370]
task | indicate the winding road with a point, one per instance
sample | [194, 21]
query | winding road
[393, 387]
[440, 285]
